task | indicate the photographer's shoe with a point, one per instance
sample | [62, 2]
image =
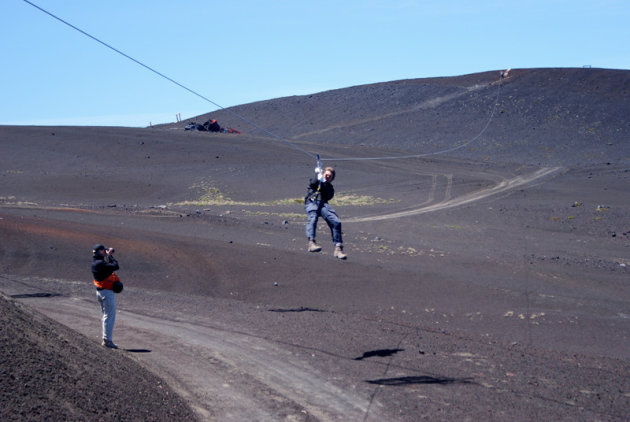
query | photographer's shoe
[109, 343]
[339, 252]
[313, 247]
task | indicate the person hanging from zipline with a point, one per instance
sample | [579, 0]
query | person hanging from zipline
[320, 191]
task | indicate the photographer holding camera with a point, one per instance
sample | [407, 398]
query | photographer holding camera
[107, 284]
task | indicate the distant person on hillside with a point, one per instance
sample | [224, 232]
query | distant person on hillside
[212, 126]
[107, 284]
[320, 191]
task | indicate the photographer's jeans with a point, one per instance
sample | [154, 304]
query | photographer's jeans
[107, 299]
[313, 210]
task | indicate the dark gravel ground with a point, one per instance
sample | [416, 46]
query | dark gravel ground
[49, 372]
[513, 306]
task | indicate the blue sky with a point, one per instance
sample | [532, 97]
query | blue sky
[235, 52]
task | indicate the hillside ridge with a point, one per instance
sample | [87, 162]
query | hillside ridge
[568, 116]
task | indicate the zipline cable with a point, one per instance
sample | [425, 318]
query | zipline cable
[444, 151]
[170, 79]
[291, 144]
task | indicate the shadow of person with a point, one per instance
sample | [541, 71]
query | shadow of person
[383, 353]
[420, 380]
[34, 295]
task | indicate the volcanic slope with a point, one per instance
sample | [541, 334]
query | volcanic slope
[543, 116]
[488, 283]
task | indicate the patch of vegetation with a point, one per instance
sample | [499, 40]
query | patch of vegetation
[454, 227]
[211, 195]
[358, 200]
[277, 214]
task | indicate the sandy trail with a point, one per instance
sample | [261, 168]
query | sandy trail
[423, 105]
[225, 374]
[505, 185]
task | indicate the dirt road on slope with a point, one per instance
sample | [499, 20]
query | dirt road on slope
[224, 373]
[504, 186]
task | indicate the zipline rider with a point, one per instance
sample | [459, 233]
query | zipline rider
[320, 191]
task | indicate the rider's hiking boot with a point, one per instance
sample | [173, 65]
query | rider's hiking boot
[313, 247]
[339, 252]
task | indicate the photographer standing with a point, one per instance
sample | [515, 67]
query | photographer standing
[107, 283]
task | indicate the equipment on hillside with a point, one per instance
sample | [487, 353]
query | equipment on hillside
[209, 126]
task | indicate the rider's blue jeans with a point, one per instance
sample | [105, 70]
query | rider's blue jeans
[315, 209]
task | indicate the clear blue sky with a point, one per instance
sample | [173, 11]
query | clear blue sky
[235, 52]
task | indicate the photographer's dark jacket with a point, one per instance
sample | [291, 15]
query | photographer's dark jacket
[319, 191]
[103, 272]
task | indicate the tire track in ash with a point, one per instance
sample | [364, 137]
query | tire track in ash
[424, 105]
[501, 187]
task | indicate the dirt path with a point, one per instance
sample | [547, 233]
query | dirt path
[225, 374]
[427, 104]
[504, 186]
